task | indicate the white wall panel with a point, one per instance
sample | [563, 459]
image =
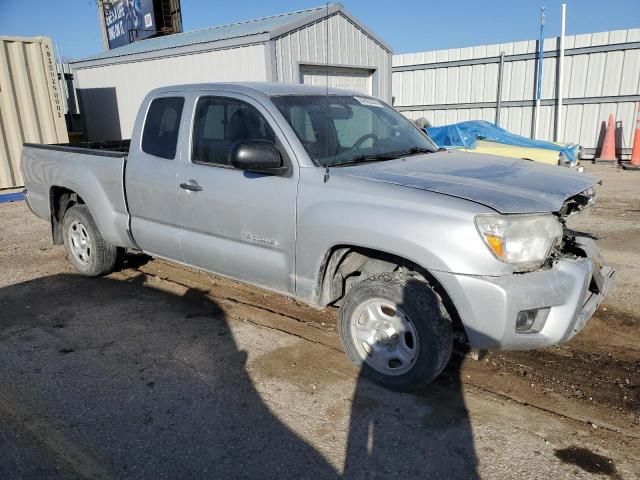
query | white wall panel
[490, 82]
[626, 110]
[419, 86]
[126, 84]
[578, 76]
[549, 66]
[572, 127]
[595, 74]
[477, 83]
[429, 87]
[529, 80]
[442, 87]
[612, 74]
[513, 117]
[630, 78]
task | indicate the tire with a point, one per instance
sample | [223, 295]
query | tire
[400, 305]
[89, 253]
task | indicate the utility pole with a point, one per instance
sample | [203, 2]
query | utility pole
[560, 89]
[539, 76]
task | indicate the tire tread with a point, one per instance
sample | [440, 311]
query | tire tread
[430, 318]
[104, 255]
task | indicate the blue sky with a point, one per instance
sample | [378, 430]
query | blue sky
[408, 25]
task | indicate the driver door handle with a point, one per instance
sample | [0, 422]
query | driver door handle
[191, 185]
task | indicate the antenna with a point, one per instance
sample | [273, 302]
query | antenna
[326, 51]
[326, 79]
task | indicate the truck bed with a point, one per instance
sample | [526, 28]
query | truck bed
[93, 170]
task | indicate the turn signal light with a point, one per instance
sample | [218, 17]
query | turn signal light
[495, 243]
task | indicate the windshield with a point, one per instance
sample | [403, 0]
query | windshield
[338, 130]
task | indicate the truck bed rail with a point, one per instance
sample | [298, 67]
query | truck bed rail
[116, 148]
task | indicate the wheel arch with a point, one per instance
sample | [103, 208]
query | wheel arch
[112, 223]
[61, 199]
[332, 284]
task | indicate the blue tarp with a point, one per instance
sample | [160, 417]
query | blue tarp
[11, 197]
[465, 134]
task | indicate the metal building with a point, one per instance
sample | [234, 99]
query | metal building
[601, 76]
[309, 46]
[32, 105]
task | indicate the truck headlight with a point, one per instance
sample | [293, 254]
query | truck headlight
[521, 240]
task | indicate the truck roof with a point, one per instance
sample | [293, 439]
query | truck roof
[269, 89]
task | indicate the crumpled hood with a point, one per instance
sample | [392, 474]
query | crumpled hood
[503, 184]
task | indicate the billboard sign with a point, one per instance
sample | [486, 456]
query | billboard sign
[127, 21]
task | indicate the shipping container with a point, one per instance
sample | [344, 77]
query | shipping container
[32, 106]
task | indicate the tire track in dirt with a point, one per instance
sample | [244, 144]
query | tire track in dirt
[593, 383]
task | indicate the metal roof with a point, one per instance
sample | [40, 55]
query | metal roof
[235, 34]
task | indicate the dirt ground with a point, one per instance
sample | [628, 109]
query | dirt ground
[158, 371]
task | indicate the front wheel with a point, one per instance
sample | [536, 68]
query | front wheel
[89, 253]
[394, 327]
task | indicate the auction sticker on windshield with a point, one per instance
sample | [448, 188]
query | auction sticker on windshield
[369, 102]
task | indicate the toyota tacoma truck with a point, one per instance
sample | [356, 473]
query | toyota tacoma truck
[336, 199]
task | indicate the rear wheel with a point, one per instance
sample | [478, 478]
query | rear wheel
[89, 253]
[396, 329]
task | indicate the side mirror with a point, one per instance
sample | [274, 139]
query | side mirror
[260, 156]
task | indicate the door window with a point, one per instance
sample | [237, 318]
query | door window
[160, 135]
[221, 122]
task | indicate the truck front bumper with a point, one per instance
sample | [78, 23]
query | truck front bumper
[571, 290]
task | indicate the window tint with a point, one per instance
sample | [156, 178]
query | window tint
[362, 122]
[338, 129]
[221, 122]
[301, 123]
[160, 135]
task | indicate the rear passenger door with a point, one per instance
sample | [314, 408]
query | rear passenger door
[150, 178]
[236, 223]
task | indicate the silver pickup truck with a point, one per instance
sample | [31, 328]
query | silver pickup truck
[334, 198]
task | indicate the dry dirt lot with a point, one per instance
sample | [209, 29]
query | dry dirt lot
[158, 371]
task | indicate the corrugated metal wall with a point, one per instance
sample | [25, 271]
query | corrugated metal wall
[601, 76]
[338, 77]
[31, 102]
[348, 46]
[115, 92]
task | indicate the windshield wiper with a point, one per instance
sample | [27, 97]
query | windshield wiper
[382, 156]
[411, 151]
[363, 159]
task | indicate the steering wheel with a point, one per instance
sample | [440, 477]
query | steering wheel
[363, 139]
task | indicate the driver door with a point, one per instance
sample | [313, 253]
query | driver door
[235, 223]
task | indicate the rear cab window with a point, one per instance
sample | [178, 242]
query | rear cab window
[161, 127]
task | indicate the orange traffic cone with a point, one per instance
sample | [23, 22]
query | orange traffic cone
[634, 164]
[608, 152]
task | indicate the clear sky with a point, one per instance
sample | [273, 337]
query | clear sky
[407, 25]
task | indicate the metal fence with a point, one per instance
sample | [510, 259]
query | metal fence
[601, 76]
[32, 105]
